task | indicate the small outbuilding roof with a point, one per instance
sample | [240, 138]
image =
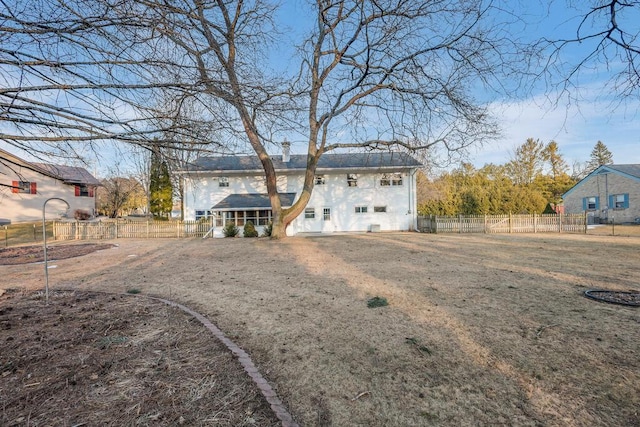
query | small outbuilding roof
[252, 201]
[353, 161]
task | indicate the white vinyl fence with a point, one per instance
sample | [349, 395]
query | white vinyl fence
[550, 223]
[123, 228]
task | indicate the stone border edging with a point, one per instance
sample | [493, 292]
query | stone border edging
[250, 368]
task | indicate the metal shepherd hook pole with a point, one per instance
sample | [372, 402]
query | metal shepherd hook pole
[44, 239]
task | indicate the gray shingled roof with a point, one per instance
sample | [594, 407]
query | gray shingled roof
[299, 162]
[69, 174]
[252, 201]
[633, 170]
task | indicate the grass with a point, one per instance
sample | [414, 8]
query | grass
[481, 329]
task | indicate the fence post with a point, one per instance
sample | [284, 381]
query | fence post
[560, 223]
[435, 224]
[459, 224]
[116, 224]
[586, 222]
[6, 236]
[535, 223]
[485, 223]
[510, 223]
[147, 228]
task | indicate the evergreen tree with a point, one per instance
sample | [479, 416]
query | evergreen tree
[600, 155]
[160, 188]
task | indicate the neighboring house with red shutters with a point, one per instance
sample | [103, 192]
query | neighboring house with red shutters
[609, 193]
[25, 186]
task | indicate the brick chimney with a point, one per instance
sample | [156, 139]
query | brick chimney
[286, 156]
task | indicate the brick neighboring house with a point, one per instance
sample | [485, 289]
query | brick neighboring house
[609, 193]
[352, 192]
[25, 186]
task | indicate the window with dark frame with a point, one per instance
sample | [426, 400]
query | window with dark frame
[24, 187]
[223, 181]
[352, 180]
[320, 180]
[379, 209]
[591, 203]
[361, 209]
[84, 191]
[309, 213]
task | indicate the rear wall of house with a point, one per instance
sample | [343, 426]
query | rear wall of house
[603, 186]
[23, 207]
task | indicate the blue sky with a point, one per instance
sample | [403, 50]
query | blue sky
[541, 114]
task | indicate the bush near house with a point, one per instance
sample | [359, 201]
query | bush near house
[81, 215]
[230, 230]
[249, 230]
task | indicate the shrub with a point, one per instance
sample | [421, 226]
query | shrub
[267, 230]
[230, 229]
[377, 302]
[81, 215]
[249, 230]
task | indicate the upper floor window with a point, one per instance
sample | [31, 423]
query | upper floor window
[309, 213]
[361, 209]
[391, 179]
[320, 180]
[25, 187]
[223, 181]
[352, 180]
[84, 191]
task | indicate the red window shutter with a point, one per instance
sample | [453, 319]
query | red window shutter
[77, 191]
[15, 188]
[90, 191]
[34, 189]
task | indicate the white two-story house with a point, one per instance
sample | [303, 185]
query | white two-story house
[352, 192]
[26, 186]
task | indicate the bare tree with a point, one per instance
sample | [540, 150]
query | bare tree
[369, 74]
[605, 36]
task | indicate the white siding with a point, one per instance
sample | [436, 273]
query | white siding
[201, 193]
[22, 207]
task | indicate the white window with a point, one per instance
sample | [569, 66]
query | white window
[203, 214]
[326, 214]
[591, 203]
[309, 213]
[223, 181]
[379, 208]
[352, 180]
[620, 201]
[320, 180]
[361, 209]
[391, 179]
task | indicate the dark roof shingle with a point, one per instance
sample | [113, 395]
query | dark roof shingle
[299, 162]
[252, 201]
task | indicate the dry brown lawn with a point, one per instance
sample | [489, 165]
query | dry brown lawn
[479, 330]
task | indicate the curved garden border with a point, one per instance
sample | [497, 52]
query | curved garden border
[244, 359]
[631, 299]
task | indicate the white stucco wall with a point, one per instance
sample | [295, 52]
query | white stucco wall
[22, 207]
[203, 192]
